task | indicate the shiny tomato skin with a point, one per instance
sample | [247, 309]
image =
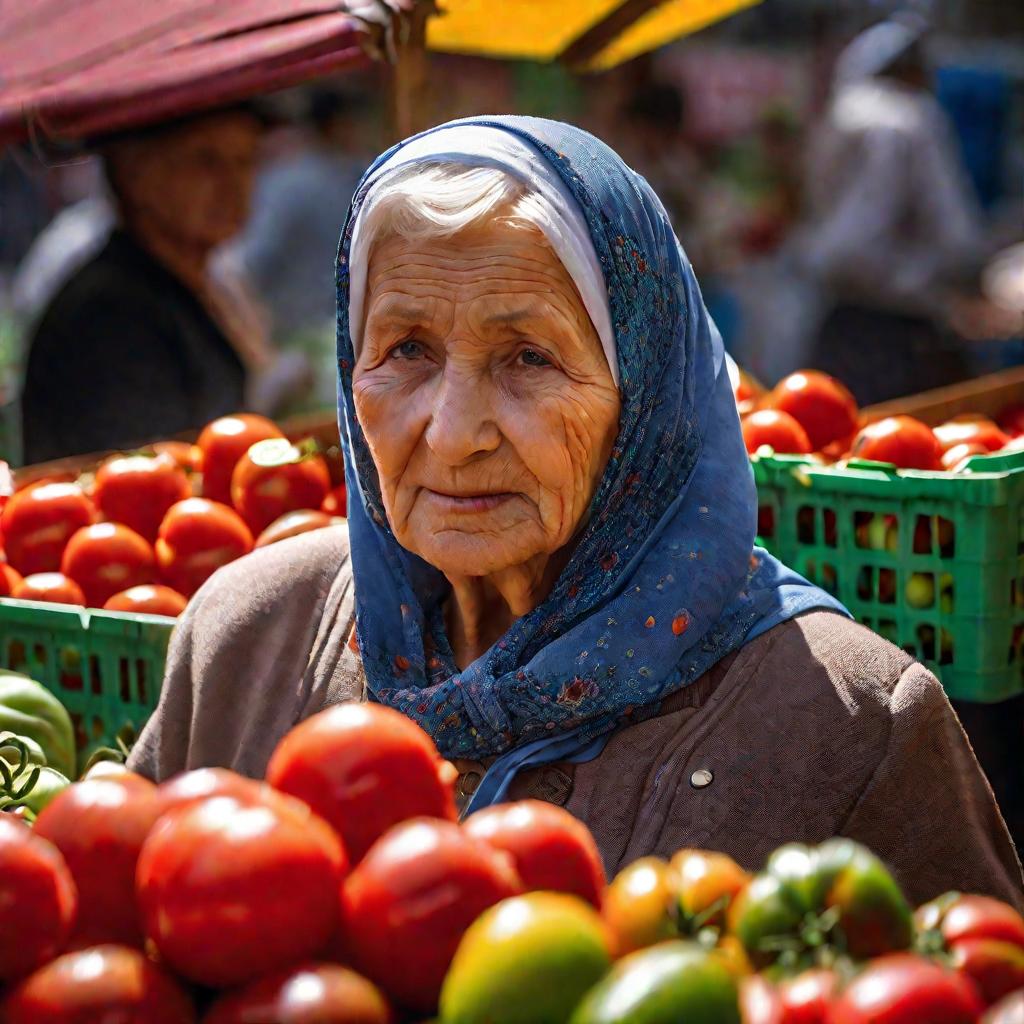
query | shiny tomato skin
[223, 442]
[906, 989]
[408, 903]
[982, 917]
[1007, 1011]
[291, 524]
[38, 900]
[103, 984]
[38, 522]
[995, 967]
[776, 429]
[262, 494]
[363, 768]
[229, 890]
[905, 442]
[703, 879]
[9, 579]
[196, 538]
[805, 998]
[99, 825]
[106, 558]
[187, 456]
[963, 430]
[52, 587]
[819, 403]
[551, 849]
[953, 458]
[760, 1002]
[313, 993]
[137, 490]
[148, 599]
[336, 502]
[203, 783]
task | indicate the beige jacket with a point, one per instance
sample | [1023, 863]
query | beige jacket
[815, 729]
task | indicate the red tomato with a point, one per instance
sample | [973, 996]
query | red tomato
[9, 579]
[37, 900]
[901, 440]
[906, 989]
[53, 587]
[995, 967]
[262, 493]
[336, 502]
[1008, 1011]
[759, 1001]
[979, 917]
[408, 903]
[819, 403]
[148, 599]
[551, 849]
[187, 456]
[222, 443]
[99, 826]
[981, 431]
[137, 490]
[776, 429]
[364, 768]
[1011, 419]
[291, 524]
[39, 521]
[229, 890]
[953, 458]
[105, 559]
[196, 538]
[102, 985]
[805, 998]
[314, 993]
[203, 783]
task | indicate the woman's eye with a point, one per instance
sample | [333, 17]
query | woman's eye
[531, 357]
[407, 350]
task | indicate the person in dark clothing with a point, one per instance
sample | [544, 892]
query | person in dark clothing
[140, 343]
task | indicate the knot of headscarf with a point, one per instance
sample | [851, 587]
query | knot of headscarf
[664, 580]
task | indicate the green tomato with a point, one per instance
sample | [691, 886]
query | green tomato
[672, 982]
[28, 709]
[768, 911]
[46, 787]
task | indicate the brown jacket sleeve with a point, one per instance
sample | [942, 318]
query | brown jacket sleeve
[941, 832]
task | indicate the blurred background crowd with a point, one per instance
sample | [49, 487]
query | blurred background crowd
[846, 177]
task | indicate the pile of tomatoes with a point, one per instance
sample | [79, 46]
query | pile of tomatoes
[810, 412]
[343, 890]
[146, 530]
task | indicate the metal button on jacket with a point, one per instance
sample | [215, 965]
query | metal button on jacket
[701, 777]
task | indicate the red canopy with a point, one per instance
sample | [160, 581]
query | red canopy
[76, 68]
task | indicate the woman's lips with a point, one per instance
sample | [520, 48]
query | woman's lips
[466, 502]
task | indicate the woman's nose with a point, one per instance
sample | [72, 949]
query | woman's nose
[461, 420]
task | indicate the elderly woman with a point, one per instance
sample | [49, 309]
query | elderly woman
[549, 562]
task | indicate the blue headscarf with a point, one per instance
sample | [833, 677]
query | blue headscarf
[664, 580]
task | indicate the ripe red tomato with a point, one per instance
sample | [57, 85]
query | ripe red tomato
[148, 599]
[53, 587]
[406, 906]
[38, 522]
[187, 456]
[9, 579]
[263, 492]
[291, 524]
[901, 440]
[137, 490]
[977, 430]
[906, 989]
[805, 999]
[776, 429]
[314, 992]
[196, 538]
[229, 890]
[37, 900]
[203, 783]
[977, 917]
[1008, 1011]
[819, 403]
[336, 502]
[106, 558]
[1011, 419]
[953, 458]
[99, 826]
[364, 768]
[551, 849]
[995, 967]
[96, 986]
[222, 443]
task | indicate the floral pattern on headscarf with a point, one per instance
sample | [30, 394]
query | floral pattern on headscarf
[664, 580]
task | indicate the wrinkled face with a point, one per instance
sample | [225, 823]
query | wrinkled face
[485, 397]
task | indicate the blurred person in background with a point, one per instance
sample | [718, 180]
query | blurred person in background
[139, 342]
[895, 231]
[287, 249]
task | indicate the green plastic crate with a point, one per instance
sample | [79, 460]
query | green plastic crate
[866, 531]
[105, 667]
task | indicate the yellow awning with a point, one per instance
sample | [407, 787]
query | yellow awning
[542, 29]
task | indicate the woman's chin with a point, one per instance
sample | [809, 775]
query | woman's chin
[457, 553]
